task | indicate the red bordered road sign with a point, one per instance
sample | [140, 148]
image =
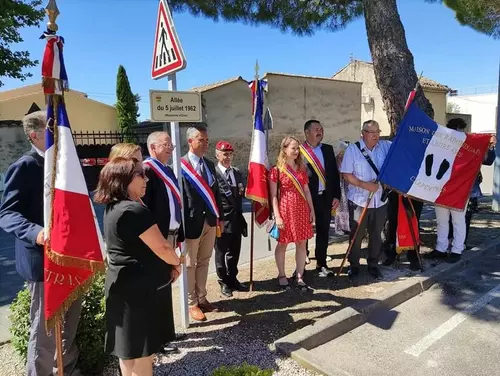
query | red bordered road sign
[168, 56]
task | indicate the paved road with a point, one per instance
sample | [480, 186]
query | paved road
[450, 330]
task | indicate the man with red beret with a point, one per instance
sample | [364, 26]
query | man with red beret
[228, 246]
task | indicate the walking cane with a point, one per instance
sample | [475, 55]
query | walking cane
[363, 213]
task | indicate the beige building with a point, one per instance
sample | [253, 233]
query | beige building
[85, 114]
[292, 100]
[372, 106]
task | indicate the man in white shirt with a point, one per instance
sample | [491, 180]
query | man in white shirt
[360, 168]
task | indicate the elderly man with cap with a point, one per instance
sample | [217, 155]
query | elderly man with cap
[228, 246]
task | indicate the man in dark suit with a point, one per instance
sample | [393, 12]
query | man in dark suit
[324, 184]
[228, 246]
[163, 199]
[203, 218]
[21, 214]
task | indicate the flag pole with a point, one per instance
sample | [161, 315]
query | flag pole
[252, 225]
[411, 97]
[52, 85]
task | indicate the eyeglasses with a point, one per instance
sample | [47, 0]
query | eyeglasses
[167, 145]
[141, 174]
[373, 132]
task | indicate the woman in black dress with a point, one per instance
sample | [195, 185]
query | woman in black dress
[141, 264]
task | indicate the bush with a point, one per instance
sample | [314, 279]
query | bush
[90, 333]
[243, 370]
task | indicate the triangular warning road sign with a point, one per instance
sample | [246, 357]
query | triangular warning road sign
[168, 56]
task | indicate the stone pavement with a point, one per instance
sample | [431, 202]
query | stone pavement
[250, 322]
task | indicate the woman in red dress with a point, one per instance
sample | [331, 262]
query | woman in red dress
[293, 208]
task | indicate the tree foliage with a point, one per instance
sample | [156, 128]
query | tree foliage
[481, 15]
[15, 15]
[126, 105]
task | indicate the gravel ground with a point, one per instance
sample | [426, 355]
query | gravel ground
[250, 322]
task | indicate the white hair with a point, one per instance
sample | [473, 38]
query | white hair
[194, 130]
[153, 138]
[34, 122]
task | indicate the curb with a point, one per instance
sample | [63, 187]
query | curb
[297, 344]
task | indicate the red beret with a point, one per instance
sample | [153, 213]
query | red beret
[224, 146]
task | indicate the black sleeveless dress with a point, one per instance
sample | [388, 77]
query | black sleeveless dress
[139, 317]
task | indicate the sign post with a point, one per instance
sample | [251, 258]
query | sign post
[496, 171]
[168, 58]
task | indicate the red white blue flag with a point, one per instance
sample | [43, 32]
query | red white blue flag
[431, 162]
[258, 167]
[73, 241]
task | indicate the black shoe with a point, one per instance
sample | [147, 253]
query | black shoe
[324, 272]
[453, 258]
[389, 260]
[436, 255]
[414, 266]
[169, 349]
[180, 336]
[353, 273]
[238, 286]
[376, 273]
[226, 291]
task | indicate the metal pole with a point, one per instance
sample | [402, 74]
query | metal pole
[252, 234]
[496, 172]
[176, 164]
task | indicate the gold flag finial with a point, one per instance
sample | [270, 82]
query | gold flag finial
[52, 12]
[257, 69]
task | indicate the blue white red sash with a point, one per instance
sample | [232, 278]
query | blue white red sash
[166, 176]
[200, 185]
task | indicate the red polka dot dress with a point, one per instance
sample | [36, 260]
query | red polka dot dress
[293, 208]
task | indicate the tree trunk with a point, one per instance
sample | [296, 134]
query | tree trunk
[392, 60]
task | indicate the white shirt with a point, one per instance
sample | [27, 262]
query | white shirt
[319, 153]
[355, 163]
[195, 162]
[40, 153]
[231, 183]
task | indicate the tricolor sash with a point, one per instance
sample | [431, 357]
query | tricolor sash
[165, 174]
[313, 160]
[288, 171]
[200, 185]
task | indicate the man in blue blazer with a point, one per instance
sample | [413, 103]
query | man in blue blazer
[21, 214]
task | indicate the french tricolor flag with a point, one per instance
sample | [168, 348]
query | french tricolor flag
[433, 163]
[258, 167]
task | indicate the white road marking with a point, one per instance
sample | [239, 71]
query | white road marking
[452, 323]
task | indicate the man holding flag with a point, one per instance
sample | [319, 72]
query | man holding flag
[21, 214]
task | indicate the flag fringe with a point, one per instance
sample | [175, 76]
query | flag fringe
[50, 322]
[258, 199]
[402, 249]
[75, 262]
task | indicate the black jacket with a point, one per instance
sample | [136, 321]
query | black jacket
[232, 203]
[156, 199]
[21, 213]
[332, 189]
[195, 209]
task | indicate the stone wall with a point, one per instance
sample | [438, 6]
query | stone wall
[13, 144]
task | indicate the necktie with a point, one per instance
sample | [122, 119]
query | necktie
[228, 177]
[203, 171]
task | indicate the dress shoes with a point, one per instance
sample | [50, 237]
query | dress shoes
[208, 307]
[197, 314]
[375, 273]
[238, 286]
[169, 349]
[226, 291]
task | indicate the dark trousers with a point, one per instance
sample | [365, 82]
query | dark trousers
[471, 209]
[392, 225]
[323, 213]
[227, 255]
[41, 347]
[373, 221]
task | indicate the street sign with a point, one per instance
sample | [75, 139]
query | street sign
[184, 106]
[168, 56]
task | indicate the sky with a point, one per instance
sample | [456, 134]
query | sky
[102, 34]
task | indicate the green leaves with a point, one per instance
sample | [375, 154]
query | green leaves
[301, 17]
[127, 102]
[243, 370]
[481, 15]
[14, 15]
